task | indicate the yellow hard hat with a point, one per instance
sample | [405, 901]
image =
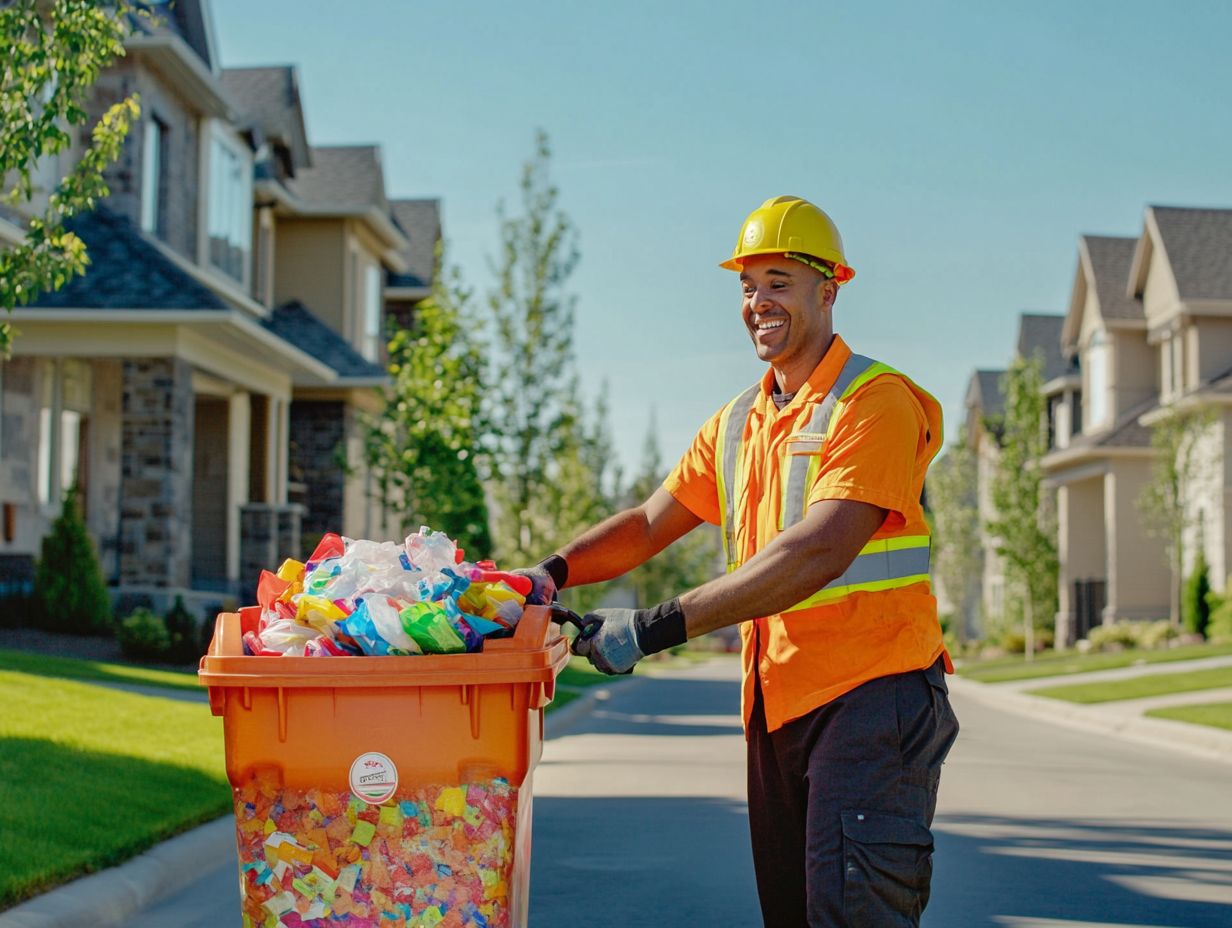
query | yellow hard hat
[792, 226]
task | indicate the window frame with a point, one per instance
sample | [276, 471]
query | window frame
[237, 201]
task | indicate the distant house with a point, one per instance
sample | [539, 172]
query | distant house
[1182, 274]
[1038, 337]
[985, 410]
[204, 381]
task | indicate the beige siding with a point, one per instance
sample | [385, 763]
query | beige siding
[311, 267]
[1138, 584]
[1212, 338]
[1133, 370]
[1080, 544]
[1160, 297]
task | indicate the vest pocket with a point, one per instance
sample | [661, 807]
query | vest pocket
[887, 869]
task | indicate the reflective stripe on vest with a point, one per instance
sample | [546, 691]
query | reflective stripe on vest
[883, 564]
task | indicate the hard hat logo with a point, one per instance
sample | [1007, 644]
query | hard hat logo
[791, 224]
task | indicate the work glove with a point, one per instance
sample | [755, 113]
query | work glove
[546, 579]
[613, 640]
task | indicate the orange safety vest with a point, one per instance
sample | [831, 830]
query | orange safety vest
[894, 565]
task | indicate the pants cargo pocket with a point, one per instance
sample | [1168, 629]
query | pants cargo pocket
[887, 869]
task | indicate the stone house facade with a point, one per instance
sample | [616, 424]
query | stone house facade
[205, 365]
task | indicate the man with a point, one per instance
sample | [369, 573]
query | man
[815, 476]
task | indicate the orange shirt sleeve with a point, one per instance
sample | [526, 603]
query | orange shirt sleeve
[693, 480]
[873, 453]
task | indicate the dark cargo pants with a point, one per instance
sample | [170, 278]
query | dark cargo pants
[841, 801]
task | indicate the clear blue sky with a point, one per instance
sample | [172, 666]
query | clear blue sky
[961, 147]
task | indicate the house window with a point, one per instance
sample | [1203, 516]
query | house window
[1097, 380]
[63, 430]
[153, 162]
[372, 311]
[230, 208]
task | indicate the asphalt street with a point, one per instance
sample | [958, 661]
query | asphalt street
[640, 819]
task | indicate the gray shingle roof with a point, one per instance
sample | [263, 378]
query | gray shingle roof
[1042, 332]
[269, 99]
[1111, 258]
[294, 323]
[1198, 245]
[420, 220]
[347, 177]
[985, 392]
[1126, 432]
[126, 271]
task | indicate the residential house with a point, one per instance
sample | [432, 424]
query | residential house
[329, 244]
[1038, 337]
[985, 409]
[1110, 565]
[1181, 273]
[420, 222]
[203, 381]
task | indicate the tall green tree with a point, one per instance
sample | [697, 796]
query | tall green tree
[957, 549]
[51, 53]
[424, 447]
[542, 456]
[1025, 527]
[585, 485]
[1178, 464]
[690, 561]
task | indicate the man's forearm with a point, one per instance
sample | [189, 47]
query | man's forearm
[794, 566]
[609, 549]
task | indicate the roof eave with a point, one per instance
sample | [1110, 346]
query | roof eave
[407, 293]
[1143, 250]
[186, 70]
[299, 362]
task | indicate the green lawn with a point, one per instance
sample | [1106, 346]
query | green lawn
[1139, 687]
[1055, 664]
[92, 776]
[72, 669]
[1215, 714]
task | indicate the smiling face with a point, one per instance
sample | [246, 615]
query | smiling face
[787, 309]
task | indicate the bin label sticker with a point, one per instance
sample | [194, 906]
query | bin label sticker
[374, 778]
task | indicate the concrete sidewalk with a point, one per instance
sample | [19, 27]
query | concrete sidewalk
[1124, 719]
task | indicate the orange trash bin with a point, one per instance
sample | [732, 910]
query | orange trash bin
[384, 792]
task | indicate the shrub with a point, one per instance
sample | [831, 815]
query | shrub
[1219, 628]
[1113, 636]
[1155, 634]
[183, 633]
[69, 588]
[1117, 636]
[1195, 608]
[144, 637]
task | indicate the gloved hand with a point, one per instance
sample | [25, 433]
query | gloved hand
[546, 578]
[613, 640]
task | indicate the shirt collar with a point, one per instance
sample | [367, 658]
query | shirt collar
[821, 380]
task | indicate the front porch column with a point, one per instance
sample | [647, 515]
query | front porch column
[239, 465]
[156, 473]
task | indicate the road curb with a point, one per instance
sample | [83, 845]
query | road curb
[1194, 740]
[109, 898]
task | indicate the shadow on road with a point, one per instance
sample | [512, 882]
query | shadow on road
[616, 862]
[1017, 871]
[680, 708]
